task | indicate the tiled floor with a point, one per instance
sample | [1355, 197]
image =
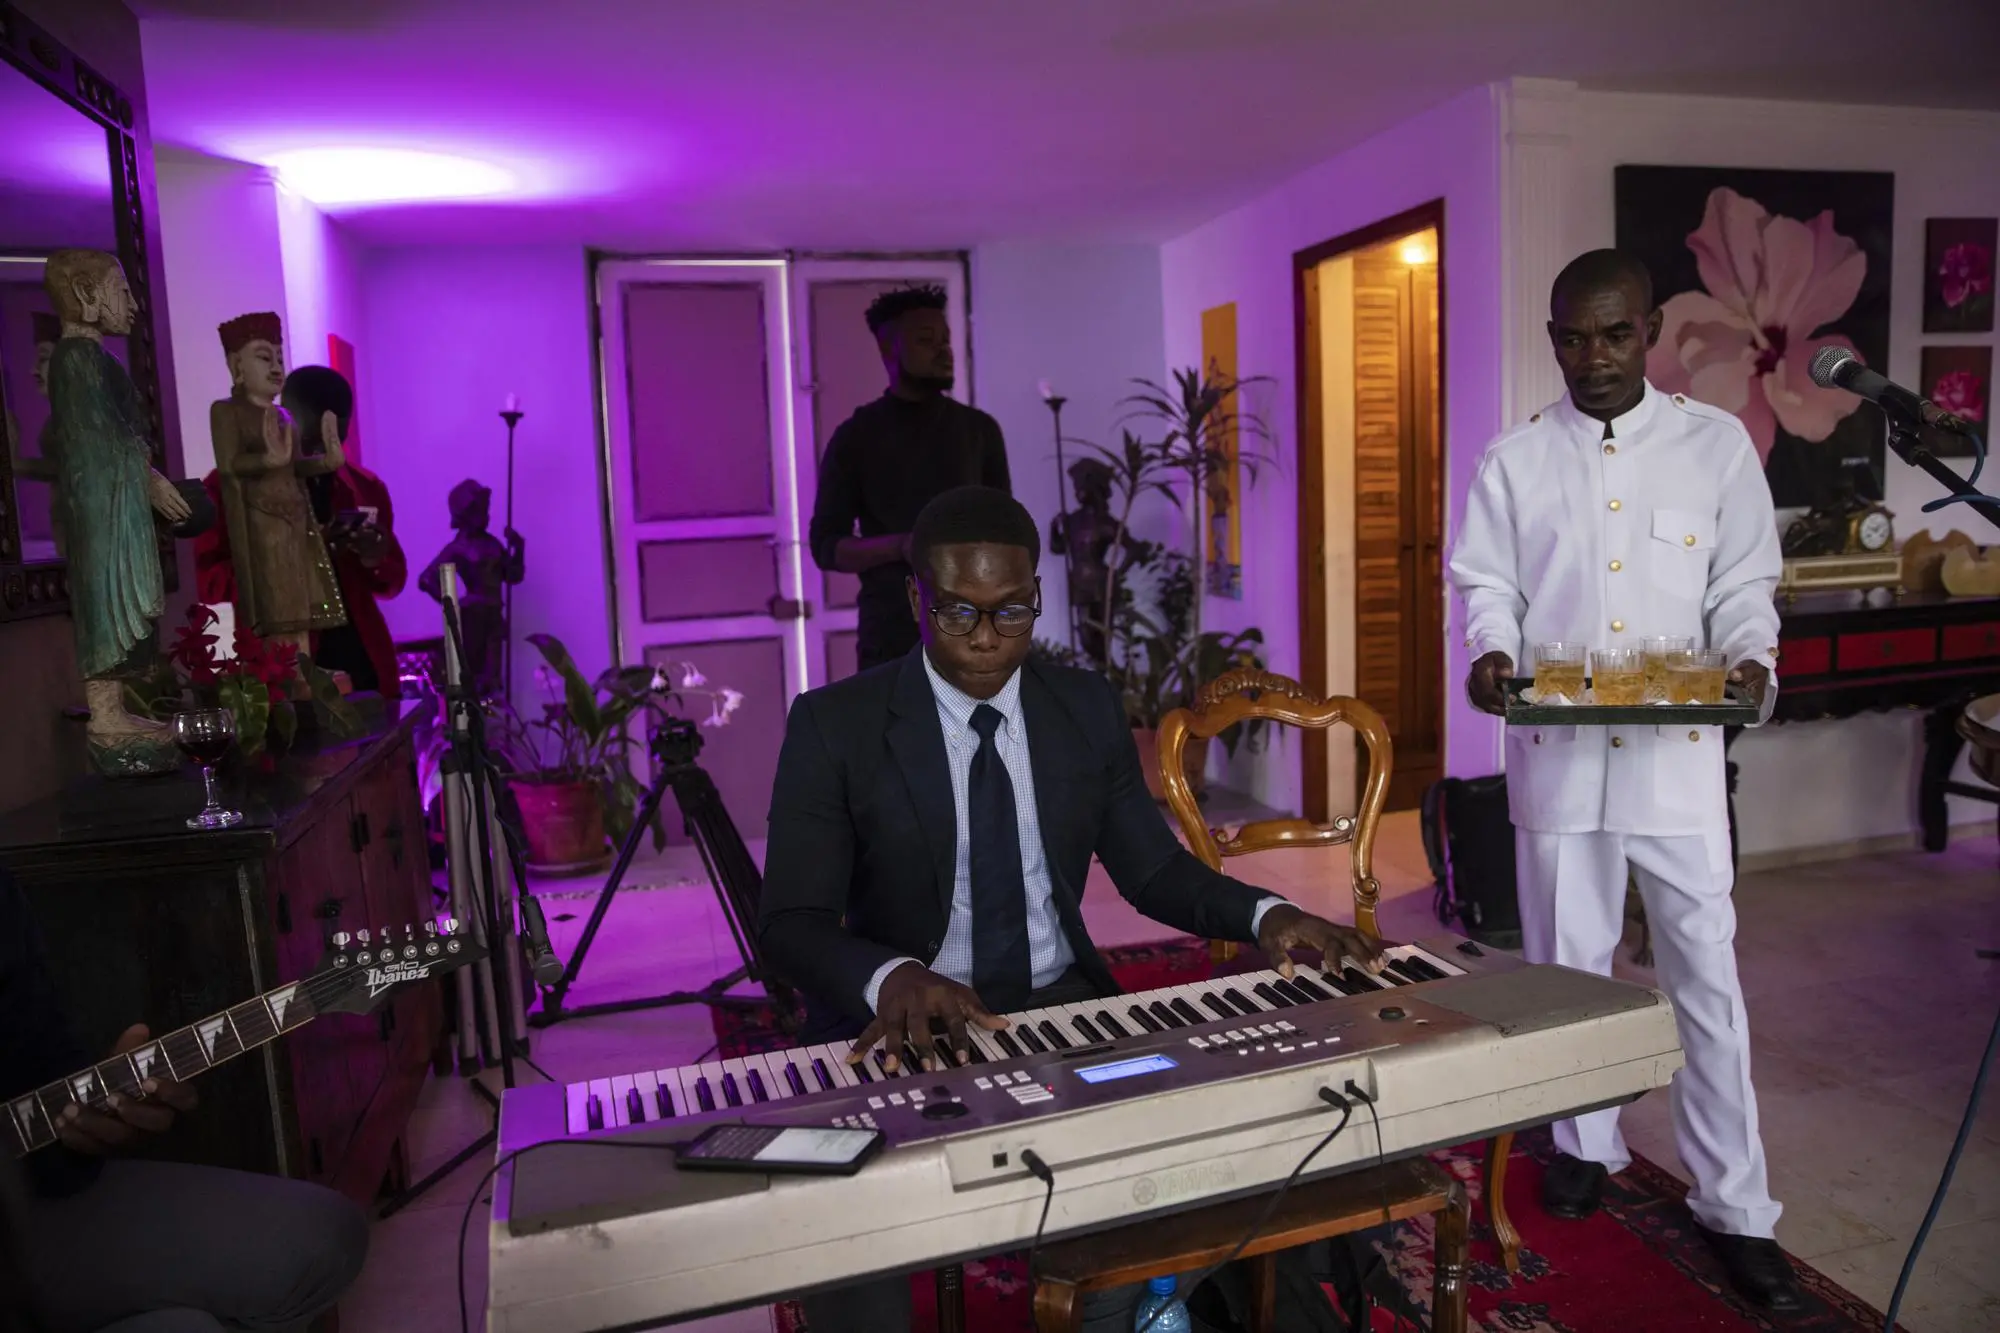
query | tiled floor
[1867, 1005]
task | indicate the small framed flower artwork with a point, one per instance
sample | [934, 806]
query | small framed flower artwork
[1960, 380]
[1958, 275]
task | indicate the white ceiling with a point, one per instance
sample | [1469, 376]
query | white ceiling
[894, 124]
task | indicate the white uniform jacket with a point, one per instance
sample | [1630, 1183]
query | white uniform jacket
[1664, 528]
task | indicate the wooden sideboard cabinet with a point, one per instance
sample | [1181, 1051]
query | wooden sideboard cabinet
[146, 922]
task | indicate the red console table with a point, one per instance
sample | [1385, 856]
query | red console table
[1838, 657]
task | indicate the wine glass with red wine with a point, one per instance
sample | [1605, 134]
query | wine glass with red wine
[204, 736]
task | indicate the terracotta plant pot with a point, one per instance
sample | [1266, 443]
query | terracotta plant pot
[564, 825]
[1194, 762]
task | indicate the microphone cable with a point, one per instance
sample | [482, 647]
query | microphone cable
[1331, 1098]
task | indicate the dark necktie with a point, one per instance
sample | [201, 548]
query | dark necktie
[1001, 973]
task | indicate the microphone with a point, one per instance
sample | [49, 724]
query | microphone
[1838, 368]
[543, 964]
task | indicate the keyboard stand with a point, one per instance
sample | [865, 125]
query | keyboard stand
[731, 871]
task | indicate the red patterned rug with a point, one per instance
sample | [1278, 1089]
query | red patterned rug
[1637, 1266]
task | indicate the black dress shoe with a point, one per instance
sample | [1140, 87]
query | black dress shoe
[1572, 1187]
[1757, 1269]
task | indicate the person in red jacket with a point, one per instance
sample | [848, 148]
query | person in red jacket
[352, 508]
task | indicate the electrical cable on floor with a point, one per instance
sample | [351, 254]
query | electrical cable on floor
[1331, 1098]
[1381, 1166]
[1944, 1181]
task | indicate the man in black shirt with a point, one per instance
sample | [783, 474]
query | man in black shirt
[893, 457]
[110, 1246]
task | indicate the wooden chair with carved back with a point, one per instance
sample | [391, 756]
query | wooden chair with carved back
[1247, 694]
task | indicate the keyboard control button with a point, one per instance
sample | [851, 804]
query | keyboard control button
[945, 1111]
[1199, 1043]
[877, 1103]
[897, 1099]
[983, 1084]
[1391, 1014]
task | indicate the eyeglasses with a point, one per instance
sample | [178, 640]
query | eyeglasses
[959, 619]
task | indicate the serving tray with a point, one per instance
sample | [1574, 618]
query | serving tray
[1739, 711]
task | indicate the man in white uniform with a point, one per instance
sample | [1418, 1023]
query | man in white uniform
[1617, 514]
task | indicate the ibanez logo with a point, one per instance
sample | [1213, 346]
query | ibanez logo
[396, 974]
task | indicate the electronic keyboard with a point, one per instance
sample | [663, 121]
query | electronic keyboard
[1140, 1104]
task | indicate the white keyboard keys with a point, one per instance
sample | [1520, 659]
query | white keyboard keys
[578, 1097]
[620, 1109]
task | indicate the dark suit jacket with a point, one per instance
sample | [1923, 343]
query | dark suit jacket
[862, 853]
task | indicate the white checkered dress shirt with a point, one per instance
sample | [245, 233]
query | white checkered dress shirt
[1049, 954]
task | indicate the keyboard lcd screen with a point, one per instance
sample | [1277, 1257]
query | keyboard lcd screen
[1151, 1064]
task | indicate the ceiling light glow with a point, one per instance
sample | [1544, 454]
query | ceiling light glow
[1417, 250]
[331, 177]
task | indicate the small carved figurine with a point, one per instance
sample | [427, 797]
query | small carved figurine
[107, 496]
[485, 568]
[285, 584]
[1087, 534]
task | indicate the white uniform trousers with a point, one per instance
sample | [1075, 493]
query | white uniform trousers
[1572, 893]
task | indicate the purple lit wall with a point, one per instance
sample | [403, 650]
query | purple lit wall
[450, 332]
[1245, 256]
[1087, 319]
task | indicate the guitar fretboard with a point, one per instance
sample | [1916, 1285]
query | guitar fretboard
[179, 1055]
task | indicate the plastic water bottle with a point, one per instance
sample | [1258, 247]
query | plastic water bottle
[1173, 1316]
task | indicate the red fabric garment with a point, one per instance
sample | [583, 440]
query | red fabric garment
[354, 487]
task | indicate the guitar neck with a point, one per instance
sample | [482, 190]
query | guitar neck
[179, 1055]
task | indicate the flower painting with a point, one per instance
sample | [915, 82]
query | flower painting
[1958, 274]
[1754, 272]
[1960, 380]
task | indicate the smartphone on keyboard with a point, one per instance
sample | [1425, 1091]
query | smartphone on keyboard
[781, 1150]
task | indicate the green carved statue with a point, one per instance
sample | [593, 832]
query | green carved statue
[107, 496]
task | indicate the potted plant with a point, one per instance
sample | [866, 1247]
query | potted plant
[1150, 615]
[571, 763]
[273, 690]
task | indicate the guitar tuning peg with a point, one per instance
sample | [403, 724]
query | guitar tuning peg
[409, 932]
[341, 939]
[451, 925]
[361, 936]
[430, 927]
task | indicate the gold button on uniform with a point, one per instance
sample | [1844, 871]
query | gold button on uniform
[1617, 627]
[1617, 742]
[1694, 735]
[1681, 399]
[1616, 506]
[1617, 565]
[1533, 419]
[1610, 448]
[1689, 539]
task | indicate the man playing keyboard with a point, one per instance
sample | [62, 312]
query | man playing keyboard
[945, 807]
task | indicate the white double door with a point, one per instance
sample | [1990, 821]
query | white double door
[723, 379]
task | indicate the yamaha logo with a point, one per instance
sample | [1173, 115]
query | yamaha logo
[1187, 1183]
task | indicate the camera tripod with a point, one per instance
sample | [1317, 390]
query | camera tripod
[734, 875]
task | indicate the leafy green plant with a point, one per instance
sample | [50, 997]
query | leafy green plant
[256, 683]
[585, 729]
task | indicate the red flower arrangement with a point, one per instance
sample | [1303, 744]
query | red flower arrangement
[257, 683]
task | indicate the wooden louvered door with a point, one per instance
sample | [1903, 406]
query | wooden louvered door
[1399, 610]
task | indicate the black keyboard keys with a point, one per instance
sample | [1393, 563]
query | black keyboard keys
[1271, 995]
[1219, 1005]
[1242, 1001]
[1030, 1040]
[1086, 1029]
[593, 1113]
[665, 1101]
[1290, 990]
[860, 1068]
[757, 1092]
[793, 1081]
[1188, 1012]
[730, 1093]
[1005, 1040]
[1167, 1016]
[1054, 1034]
[1309, 990]
[635, 1106]
[704, 1095]
[1359, 982]
[1110, 1026]
[822, 1074]
[1145, 1020]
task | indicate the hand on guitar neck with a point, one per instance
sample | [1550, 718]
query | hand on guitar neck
[113, 1126]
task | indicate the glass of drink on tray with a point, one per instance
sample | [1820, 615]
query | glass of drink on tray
[1618, 676]
[1657, 650]
[1559, 669]
[1697, 676]
[204, 736]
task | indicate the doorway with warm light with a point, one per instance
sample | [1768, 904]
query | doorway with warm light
[1369, 308]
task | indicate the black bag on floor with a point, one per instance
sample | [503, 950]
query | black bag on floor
[1469, 841]
[1349, 1264]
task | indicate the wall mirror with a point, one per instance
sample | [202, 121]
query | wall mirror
[68, 178]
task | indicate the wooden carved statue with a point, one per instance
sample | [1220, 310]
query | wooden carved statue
[109, 503]
[1086, 535]
[485, 568]
[285, 584]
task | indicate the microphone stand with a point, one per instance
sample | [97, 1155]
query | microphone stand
[1907, 439]
[513, 418]
[1055, 402]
